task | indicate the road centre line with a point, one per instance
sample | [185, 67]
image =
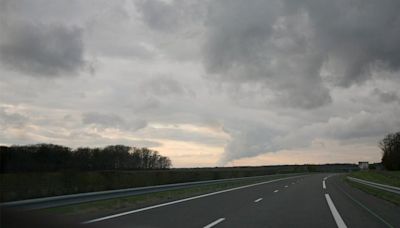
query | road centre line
[183, 200]
[338, 219]
[276, 190]
[214, 223]
[286, 186]
[258, 200]
[323, 184]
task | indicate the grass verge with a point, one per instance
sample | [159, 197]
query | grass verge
[104, 207]
[383, 177]
[391, 197]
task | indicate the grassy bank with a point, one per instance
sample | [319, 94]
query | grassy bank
[18, 186]
[383, 177]
[104, 207]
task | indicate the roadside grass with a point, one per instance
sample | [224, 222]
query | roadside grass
[391, 197]
[383, 177]
[45, 184]
[104, 207]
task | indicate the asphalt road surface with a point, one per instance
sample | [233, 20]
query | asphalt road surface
[318, 200]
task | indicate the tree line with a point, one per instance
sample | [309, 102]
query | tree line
[51, 157]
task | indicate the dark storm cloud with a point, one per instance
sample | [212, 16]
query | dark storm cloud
[41, 50]
[386, 97]
[286, 45]
[158, 14]
[358, 34]
[252, 42]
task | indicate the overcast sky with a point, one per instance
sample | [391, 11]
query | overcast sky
[207, 83]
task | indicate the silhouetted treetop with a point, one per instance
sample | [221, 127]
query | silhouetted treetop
[50, 157]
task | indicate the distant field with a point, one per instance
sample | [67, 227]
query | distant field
[18, 186]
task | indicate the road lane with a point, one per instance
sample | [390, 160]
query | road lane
[277, 204]
[215, 223]
[359, 209]
[300, 205]
[239, 210]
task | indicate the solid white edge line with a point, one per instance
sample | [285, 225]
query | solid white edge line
[214, 223]
[258, 200]
[339, 221]
[323, 184]
[183, 200]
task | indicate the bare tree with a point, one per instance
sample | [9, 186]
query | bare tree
[390, 147]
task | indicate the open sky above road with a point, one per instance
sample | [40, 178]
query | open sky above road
[206, 83]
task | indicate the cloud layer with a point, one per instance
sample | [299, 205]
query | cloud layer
[207, 83]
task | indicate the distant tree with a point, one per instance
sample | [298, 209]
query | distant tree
[50, 157]
[390, 147]
[82, 159]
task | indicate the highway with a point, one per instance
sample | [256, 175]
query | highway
[318, 200]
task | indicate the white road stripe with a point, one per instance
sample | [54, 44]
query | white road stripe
[258, 200]
[339, 221]
[214, 223]
[183, 200]
[323, 184]
[286, 186]
[276, 191]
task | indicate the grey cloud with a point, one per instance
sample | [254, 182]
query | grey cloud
[358, 34]
[112, 121]
[277, 75]
[159, 14]
[170, 16]
[386, 97]
[248, 140]
[41, 49]
[254, 43]
[286, 45]
[8, 119]
[83, 138]
[163, 86]
[183, 135]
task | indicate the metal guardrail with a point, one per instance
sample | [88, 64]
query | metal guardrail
[385, 187]
[56, 201]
